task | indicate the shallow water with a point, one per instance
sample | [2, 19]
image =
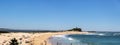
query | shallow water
[99, 38]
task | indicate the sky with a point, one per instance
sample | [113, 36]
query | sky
[90, 15]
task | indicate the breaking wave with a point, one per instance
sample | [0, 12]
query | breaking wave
[99, 38]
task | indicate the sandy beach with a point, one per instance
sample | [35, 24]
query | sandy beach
[32, 38]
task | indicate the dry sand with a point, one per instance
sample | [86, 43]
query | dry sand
[32, 38]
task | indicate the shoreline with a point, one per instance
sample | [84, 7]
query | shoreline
[33, 38]
[48, 35]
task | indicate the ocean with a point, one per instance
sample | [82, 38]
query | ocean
[97, 38]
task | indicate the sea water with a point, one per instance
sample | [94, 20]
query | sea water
[98, 38]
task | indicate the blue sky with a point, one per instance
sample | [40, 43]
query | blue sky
[96, 15]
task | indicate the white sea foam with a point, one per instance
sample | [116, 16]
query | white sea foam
[70, 38]
[101, 34]
[63, 36]
[59, 36]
